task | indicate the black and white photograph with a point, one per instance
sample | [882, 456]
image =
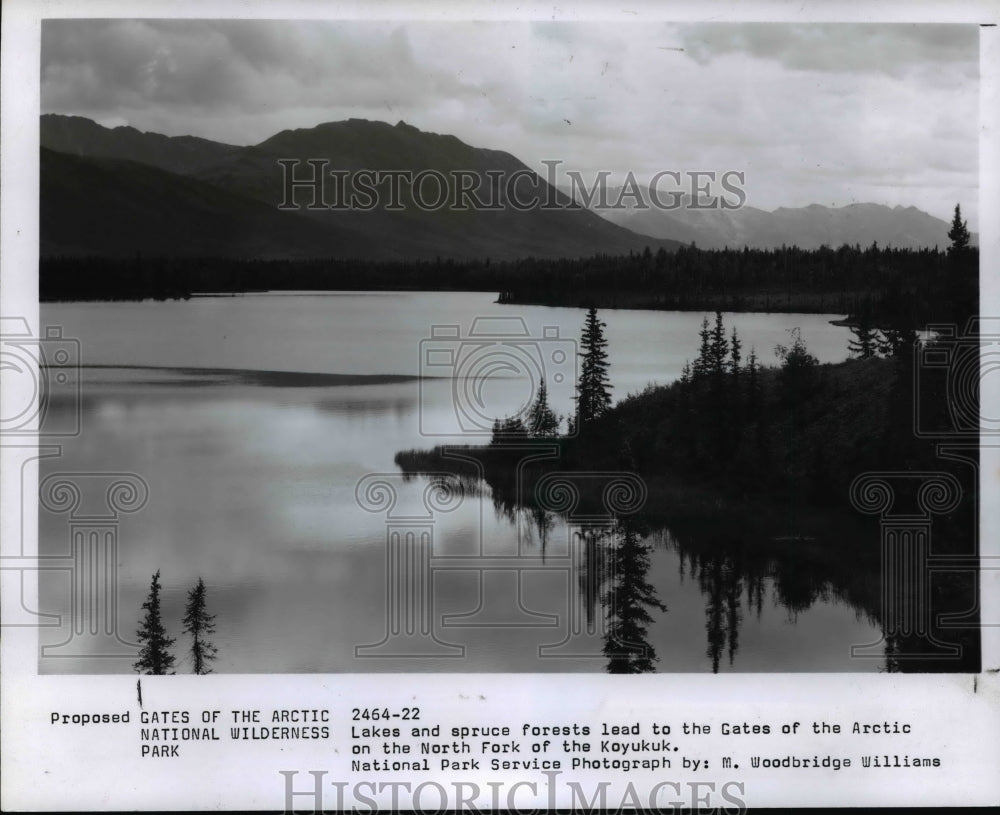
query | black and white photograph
[516, 346]
[503, 345]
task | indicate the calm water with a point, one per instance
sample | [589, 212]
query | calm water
[252, 479]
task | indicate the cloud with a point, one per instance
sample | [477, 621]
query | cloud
[819, 113]
[841, 47]
[240, 66]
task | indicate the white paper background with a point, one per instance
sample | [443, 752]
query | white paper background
[50, 767]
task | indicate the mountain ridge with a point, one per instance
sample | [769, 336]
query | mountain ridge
[808, 227]
[122, 208]
[80, 136]
[252, 174]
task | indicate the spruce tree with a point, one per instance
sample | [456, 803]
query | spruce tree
[542, 421]
[154, 656]
[753, 384]
[200, 625]
[629, 597]
[714, 404]
[594, 389]
[734, 418]
[864, 342]
[571, 425]
[719, 347]
[958, 234]
[897, 341]
[735, 349]
[962, 287]
[798, 368]
[512, 428]
[703, 362]
[757, 413]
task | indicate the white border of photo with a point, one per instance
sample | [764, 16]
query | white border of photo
[45, 767]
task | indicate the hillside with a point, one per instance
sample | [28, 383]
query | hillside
[82, 137]
[219, 183]
[114, 208]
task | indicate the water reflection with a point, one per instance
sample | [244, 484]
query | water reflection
[252, 479]
[628, 601]
[742, 561]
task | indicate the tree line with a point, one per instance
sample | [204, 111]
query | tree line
[735, 436]
[728, 415]
[731, 417]
[155, 656]
[891, 284]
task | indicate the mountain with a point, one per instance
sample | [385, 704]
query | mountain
[806, 227]
[211, 195]
[82, 137]
[117, 208]
[211, 198]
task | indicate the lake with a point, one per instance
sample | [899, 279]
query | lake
[265, 426]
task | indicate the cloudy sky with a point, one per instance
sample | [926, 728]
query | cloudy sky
[828, 114]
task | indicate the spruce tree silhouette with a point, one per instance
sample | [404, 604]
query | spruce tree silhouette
[154, 656]
[959, 233]
[594, 389]
[199, 624]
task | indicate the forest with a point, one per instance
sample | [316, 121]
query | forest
[745, 462]
[898, 285]
[797, 428]
[745, 444]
